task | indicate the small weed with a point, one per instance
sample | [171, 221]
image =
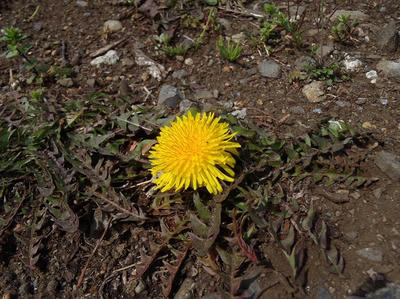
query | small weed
[162, 44]
[330, 74]
[13, 36]
[277, 21]
[343, 31]
[229, 52]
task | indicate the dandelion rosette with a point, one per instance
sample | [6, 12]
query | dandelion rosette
[194, 151]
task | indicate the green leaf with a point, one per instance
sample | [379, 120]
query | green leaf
[204, 214]
[211, 2]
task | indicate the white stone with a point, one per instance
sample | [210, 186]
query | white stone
[112, 25]
[111, 57]
[352, 64]
[372, 75]
[240, 114]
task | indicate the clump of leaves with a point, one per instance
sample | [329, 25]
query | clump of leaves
[344, 29]
[276, 22]
[162, 44]
[229, 51]
[13, 37]
[331, 73]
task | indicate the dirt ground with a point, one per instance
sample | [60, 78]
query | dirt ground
[65, 32]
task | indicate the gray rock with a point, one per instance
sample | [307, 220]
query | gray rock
[185, 105]
[361, 101]
[91, 82]
[388, 37]
[202, 94]
[227, 104]
[389, 164]
[314, 92]
[237, 38]
[297, 110]
[224, 23]
[323, 294]
[112, 25]
[81, 3]
[371, 254]
[37, 26]
[343, 104]
[76, 59]
[354, 15]
[390, 291]
[127, 62]
[66, 82]
[212, 296]
[296, 9]
[185, 290]
[304, 62]
[390, 68]
[252, 71]
[269, 69]
[111, 57]
[124, 89]
[179, 74]
[325, 50]
[169, 96]
[352, 235]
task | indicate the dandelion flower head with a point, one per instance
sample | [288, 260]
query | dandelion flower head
[194, 151]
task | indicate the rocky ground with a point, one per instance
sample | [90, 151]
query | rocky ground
[113, 47]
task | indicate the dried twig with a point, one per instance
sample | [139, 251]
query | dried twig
[106, 48]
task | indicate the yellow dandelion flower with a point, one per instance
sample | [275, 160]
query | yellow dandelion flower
[194, 151]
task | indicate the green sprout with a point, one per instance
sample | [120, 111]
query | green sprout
[162, 43]
[13, 36]
[344, 29]
[229, 52]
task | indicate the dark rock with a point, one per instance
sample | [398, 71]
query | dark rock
[388, 37]
[389, 164]
[390, 291]
[169, 96]
[303, 62]
[323, 294]
[124, 89]
[66, 82]
[179, 74]
[202, 94]
[75, 60]
[185, 105]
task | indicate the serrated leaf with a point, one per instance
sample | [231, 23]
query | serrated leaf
[199, 228]
[204, 214]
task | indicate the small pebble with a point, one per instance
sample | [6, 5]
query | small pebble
[189, 61]
[383, 101]
[319, 111]
[140, 287]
